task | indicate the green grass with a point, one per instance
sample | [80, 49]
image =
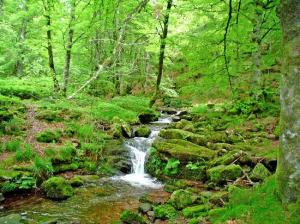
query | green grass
[13, 146]
[259, 205]
[24, 155]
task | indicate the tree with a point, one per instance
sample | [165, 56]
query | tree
[288, 169]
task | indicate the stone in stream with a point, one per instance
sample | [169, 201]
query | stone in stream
[142, 131]
[176, 118]
[57, 188]
[168, 110]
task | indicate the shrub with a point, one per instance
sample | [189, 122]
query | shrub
[24, 155]
[48, 136]
[102, 88]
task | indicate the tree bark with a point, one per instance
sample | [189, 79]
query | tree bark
[68, 55]
[47, 8]
[288, 169]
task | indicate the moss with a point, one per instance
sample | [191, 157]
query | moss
[8, 187]
[260, 172]
[195, 211]
[65, 167]
[148, 116]
[48, 136]
[221, 174]
[76, 181]
[226, 159]
[130, 217]
[120, 128]
[165, 211]
[143, 131]
[182, 198]
[57, 188]
[183, 150]
[183, 135]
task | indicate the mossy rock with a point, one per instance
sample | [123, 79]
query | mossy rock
[221, 174]
[11, 219]
[184, 150]
[130, 217]
[165, 211]
[182, 198]
[196, 211]
[143, 131]
[226, 159]
[217, 198]
[76, 181]
[120, 128]
[183, 135]
[260, 172]
[48, 136]
[198, 174]
[183, 125]
[57, 188]
[148, 116]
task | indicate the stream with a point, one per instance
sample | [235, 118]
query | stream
[99, 200]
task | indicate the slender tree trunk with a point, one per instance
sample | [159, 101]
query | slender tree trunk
[68, 54]
[163, 45]
[288, 169]
[47, 7]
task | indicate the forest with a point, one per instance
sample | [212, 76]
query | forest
[150, 111]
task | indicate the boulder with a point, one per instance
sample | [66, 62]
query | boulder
[142, 131]
[148, 116]
[145, 207]
[221, 174]
[184, 150]
[182, 198]
[260, 172]
[130, 217]
[183, 135]
[165, 211]
[76, 181]
[57, 188]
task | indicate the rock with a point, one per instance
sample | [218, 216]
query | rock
[196, 211]
[148, 116]
[130, 217]
[182, 112]
[168, 110]
[221, 174]
[48, 136]
[183, 125]
[76, 181]
[227, 158]
[260, 172]
[217, 198]
[176, 118]
[143, 131]
[57, 188]
[1, 197]
[183, 150]
[145, 207]
[11, 219]
[183, 135]
[151, 216]
[165, 211]
[121, 128]
[182, 198]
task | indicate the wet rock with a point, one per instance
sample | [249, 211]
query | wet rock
[260, 172]
[1, 197]
[142, 131]
[221, 174]
[148, 116]
[130, 217]
[76, 181]
[11, 219]
[176, 118]
[165, 211]
[182, 198]
[57, 188]
[183, 150]
[145, 207]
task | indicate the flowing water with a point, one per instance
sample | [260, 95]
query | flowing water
[99, 200]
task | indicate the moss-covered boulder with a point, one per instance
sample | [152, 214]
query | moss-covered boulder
[11, 219]
[142, 131]
[130, 217]
[183, 135]
[48, 136]
[196, 211]
[260, 172]
[148, 116]
[57, 188]
[182, 198]
[183, 125]
[183, 150]
[76, 181]
[227, 159]
[165, 211]
[120, 128]
[221, 174]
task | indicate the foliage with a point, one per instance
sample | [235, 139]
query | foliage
[42, 168]
[24, 155]
[13, 146]
[172, 167]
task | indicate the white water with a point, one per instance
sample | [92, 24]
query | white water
[139, 148]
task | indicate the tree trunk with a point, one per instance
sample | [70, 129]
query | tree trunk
[69, 46]
[288, 169]
[163, 44]
[51, 64]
